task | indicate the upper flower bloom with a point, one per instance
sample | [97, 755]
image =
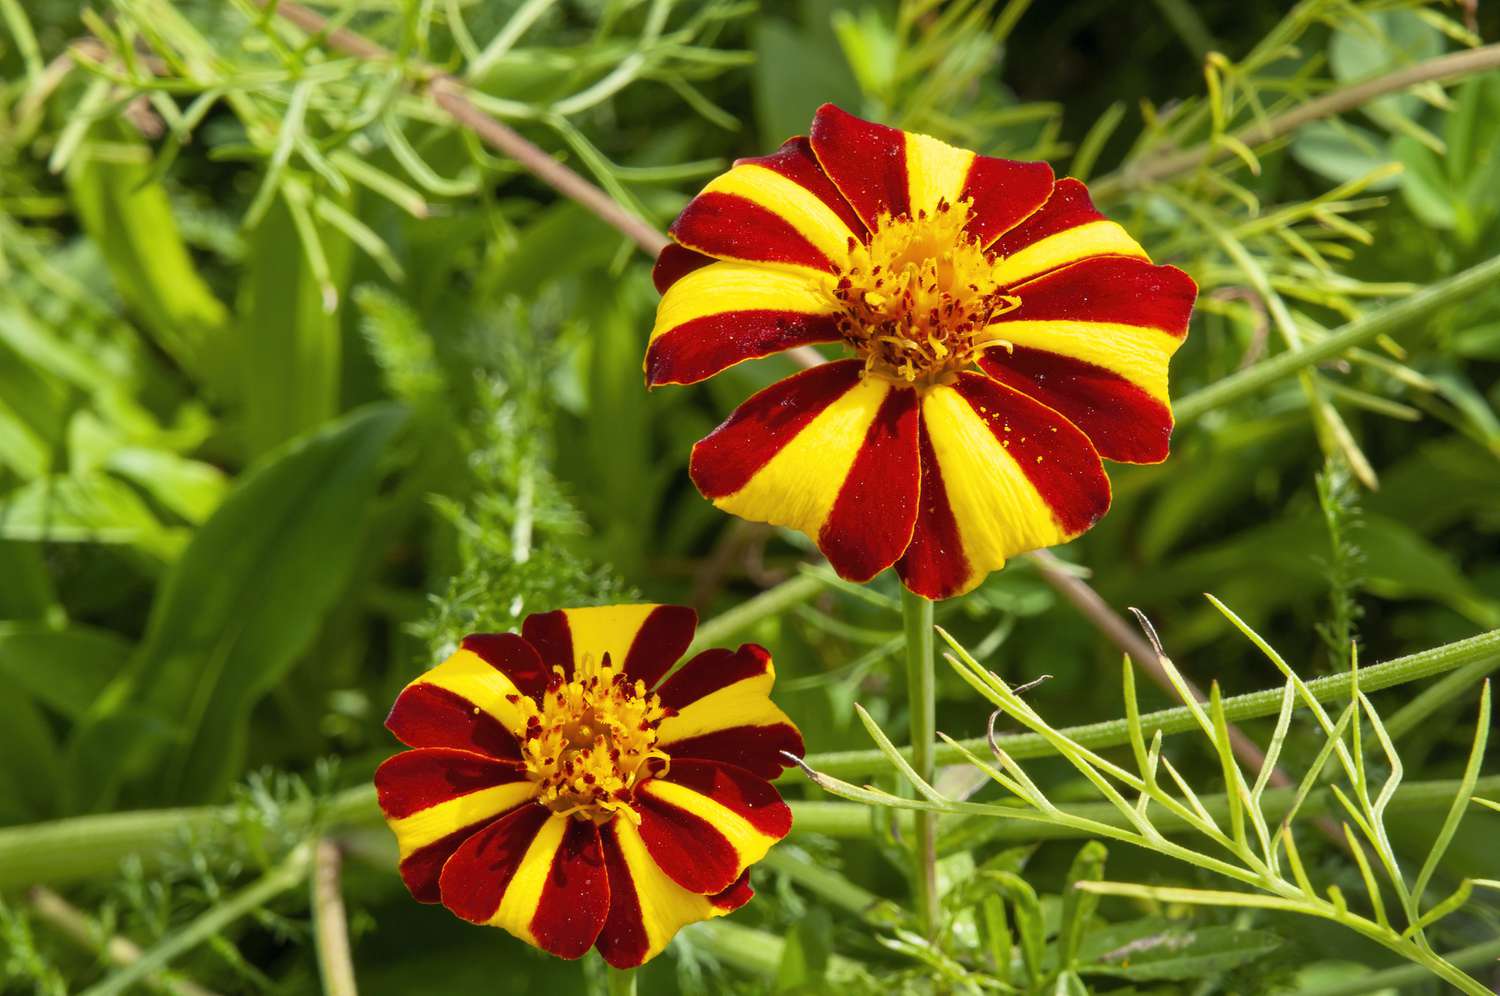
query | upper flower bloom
[1006, 336]
[562, 790]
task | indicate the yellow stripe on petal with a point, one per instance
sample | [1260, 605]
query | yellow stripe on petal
[744, 703]
[470, 677]
[666, 907]
[749, 843]
[998, 511]
[524, 892]
[605, 629]
[935, 171]
[727, 287]
[1096, 238]
[798, 206]
[1138, 354]
[430, 825]
[799, 485]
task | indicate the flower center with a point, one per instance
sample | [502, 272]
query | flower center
[917, 302]
[588, 744]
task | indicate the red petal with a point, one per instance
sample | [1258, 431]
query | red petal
[872, 519]
[687, 847]
[754, 748]
[1068, 207]
[549, 634]
[865, 160]
[415, 780]
[428, 716]
[674, 263]
[1118, 289]
[934, 565]
[513, 657]
[699, 348]
[660, 642]
[575, 900]
[710, 671]
[475, 878]
[1002, 193]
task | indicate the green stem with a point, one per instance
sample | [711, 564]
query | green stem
[921, 699]
[798, 866]
[771, 602]
[1113, 733]
[1407, 975]
[1385, 320]
[620, 981]
[330, 922]
[284, 876]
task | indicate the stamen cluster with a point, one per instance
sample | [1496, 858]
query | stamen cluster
[591, 741]
[916, 303]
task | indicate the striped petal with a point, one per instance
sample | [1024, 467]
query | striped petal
[722, 314]
[722, 711]
[470, 700]
[537, 875]
[1092, 341]
[705, 823]
[1064, 230]
[673, 263]
[777, 210]
[646, 907]
[887, 171]
[1014, 476]
[827, 452]
[436, 798]
[646, 640]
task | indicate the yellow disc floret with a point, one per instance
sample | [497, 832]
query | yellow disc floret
[591, 741]
[917, 301]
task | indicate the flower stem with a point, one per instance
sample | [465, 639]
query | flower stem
[916, 613]
[620, 981]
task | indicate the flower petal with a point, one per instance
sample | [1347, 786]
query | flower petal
[512, 655]
[1016, 475]
[645, 640]
[468, 701]
[673, 263]
[646, 908]
[865, 160]
[726, 313]
[538, 875]
[1002, 193]
[826, 452]
[705, 823]
[1065, 229]
[1092, 341]
[777, 210]
[436, 798]
[722, 711]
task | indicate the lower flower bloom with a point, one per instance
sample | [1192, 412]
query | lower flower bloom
[559, 788]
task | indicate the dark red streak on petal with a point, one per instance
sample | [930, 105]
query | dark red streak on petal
[701, 347]
[934, 565]
[1068, 207]
[660, 642]
[725, 459]
[1121, 419]
[575, 899]
[736, 895]
[872, 519]
[686, 847]
[733, 227]
[755, 748]
[475, 878]
[422, 867]
[1119, 289]
[710, 671]
[428, 716]
[795, 161]
[1003, 192]
[674, 263]
[513, 657]
[622, 941]
[737, 790]
[550, 634]
[866, 161]
[1052, 452]
[415, 780]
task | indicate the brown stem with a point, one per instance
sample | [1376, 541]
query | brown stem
[452, 96]
[1169, 164]
[330, 923]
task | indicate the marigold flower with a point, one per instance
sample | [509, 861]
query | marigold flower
[1006, 337]
[560, 789]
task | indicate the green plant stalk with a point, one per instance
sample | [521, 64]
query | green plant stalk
[921, 704]
[757, 952]
[1252, 705]
[330, 922]
[287, 875]
[1386, 320]
[771, 602]
[620, 981]
[831, 886]
[1407, 975]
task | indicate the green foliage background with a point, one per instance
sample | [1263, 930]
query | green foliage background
[299, 383]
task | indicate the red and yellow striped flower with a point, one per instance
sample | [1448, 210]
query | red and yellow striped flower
[1006, 337]
[561, 789]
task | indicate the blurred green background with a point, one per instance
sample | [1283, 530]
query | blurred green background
[299, 383]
